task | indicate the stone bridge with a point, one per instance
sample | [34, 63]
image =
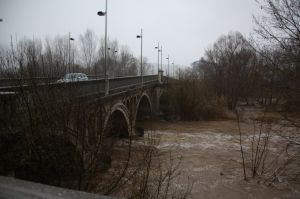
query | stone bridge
[129, 100]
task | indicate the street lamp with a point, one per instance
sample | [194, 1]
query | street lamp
[114, 51]
[173, 69]
[157, 47]
[115, 60]
[161, 55]
[101, 13]
[70, 39]
[168, 58]
[141, 37]
[1, 20]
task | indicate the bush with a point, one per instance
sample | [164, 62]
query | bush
[193, 99]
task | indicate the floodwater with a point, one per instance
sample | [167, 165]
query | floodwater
[211, 159]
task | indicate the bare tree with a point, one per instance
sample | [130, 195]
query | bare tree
[128, 63]
[279, 29]
[88, 46]
[228, 62]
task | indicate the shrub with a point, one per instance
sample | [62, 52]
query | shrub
[193, 99]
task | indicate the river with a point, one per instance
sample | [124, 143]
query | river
[211, 159]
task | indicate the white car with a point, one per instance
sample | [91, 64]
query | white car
[73, 77]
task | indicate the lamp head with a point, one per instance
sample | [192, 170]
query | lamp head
[101, 13]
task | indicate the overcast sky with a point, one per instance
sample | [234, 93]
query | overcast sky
[185, 28]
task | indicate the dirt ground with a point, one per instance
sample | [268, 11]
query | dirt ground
[211, 158]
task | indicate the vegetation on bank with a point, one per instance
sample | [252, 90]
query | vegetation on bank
[192, 99]
[262, 70]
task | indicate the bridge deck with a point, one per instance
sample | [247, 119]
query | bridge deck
[83, 89]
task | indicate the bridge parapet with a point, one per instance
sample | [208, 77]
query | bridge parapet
[20, 189]
[82, 88]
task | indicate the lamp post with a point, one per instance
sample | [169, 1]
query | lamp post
[141, 37]
[168, 58]
[70, 39]
[173, 69]
[158, 50]
[161, 50]
[115, 61]
[101, 13]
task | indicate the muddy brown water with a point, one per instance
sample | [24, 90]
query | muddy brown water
[211, 157]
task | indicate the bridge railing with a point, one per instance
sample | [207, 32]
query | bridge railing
[17, 81]
[123, 82]
[81, 88]
[38, 80]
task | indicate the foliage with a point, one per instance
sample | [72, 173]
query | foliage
[228, 67]
[278, 32]
[193, 99]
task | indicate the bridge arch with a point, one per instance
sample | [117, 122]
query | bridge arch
[117, 121]
[143, 108]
